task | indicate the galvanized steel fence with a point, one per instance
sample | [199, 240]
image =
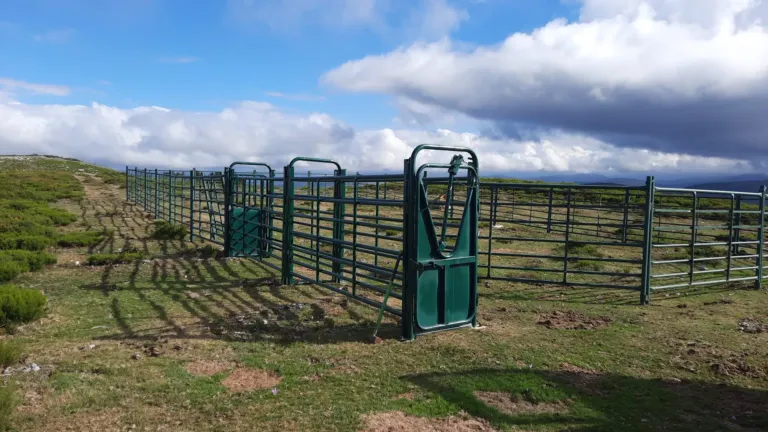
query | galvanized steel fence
[345, 232]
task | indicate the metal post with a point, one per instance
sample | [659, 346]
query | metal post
[287, 261]
[625, 221]
[492, 205]
[694, 228]
[127, 191]
[567, 235]
[409, 243]
[761, 239]
[645, 289]
[136, 185]
[192, 205]
[339, 193]
[228, 187]
[549, 211]
[737, 226]
[157, 202]
[729, 255]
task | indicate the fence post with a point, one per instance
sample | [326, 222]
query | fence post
[625, 221]
[135, 185]
[650, 192]
[287, 261]
[549, 211]
[192, 205]
[226, 183]
[409, 225]
[737, 229]
[157, 202]
[761, 240]
[339, 193]
[127, 191]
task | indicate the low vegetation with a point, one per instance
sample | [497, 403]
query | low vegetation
[20, 305]
[83, 238]
[167, 231]
[114, 258]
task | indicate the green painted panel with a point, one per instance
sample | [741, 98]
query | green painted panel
[245, 232]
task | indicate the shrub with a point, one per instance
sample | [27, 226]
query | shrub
[114, 258]
[7, 404]
[20, 305]
[208, 251]
[26, 242]
[83, 238]
[10, 353]
[167, 231]
[15, 262]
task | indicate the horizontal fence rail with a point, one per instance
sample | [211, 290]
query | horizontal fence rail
[345, 232]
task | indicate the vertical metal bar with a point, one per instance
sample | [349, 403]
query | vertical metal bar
[228, 192]
[287, 261]
[567, 237]
[409, 246]
[354, 232]
[127, 191]
[171, 197]
[645, 289]
[491, 204]
[549, 211]
[157, 186]
[625, 221]
[761, 239]
[136, 185]
[730, 238]
[145, 199]
[376, 232]
[694, 229]
[192, 205]
[317, 232]
[737, 229]
[339, 210]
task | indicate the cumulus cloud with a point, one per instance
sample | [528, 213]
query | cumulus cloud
[674, 76]
[258, 131]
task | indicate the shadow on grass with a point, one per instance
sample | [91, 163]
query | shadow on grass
[586, 401]
[221, 299]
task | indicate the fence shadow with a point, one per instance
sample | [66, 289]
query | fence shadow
[589, 401]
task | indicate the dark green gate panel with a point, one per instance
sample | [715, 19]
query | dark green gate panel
[245, 232]
[441, 278]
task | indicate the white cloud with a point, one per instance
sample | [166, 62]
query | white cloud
[683, 76]
[56, 36]
[9, 86]
[156, 136]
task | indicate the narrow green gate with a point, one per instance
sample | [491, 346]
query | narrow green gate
[440, 268]
[249, 202]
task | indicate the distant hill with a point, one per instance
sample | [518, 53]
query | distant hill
[736, 186]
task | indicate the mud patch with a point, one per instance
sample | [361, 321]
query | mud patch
[737, 367]
[749, 325]
[207, 368]
[570, 320]
[508, 404]
[398, 421]
[290, 322]
[246, 379]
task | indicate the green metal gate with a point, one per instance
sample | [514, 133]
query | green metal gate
[250, 215]
[440, 267]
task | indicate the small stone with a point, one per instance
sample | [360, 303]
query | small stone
[135, 356]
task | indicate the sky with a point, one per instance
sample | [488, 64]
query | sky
[534, 86]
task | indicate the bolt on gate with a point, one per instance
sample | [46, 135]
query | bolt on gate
[350, 233]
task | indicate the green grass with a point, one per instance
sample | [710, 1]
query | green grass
[83, 238]
[15, 262]
[20, 305]
[10, 353]
[114, 258]
[8, 401]
[166, 231]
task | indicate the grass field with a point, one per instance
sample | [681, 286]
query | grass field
[171, 340]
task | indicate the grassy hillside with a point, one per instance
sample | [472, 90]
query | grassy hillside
[157, 335]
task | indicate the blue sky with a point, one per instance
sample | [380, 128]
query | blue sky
[203, 57]
[537, 85]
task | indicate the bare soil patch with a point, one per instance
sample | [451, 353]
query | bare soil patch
[398, 421]
[749, 325]
[247, 379]
[511, 405]
[207, 368]
[570, 320]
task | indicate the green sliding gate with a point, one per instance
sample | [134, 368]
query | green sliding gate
[440, 268]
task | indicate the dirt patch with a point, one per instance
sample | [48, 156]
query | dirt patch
[398, 421]
[511, 405]
[721, 301]
[408, 396]
[737, 367]
[749, 325]
[570, 320]
[207, 368]
[246, 379]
